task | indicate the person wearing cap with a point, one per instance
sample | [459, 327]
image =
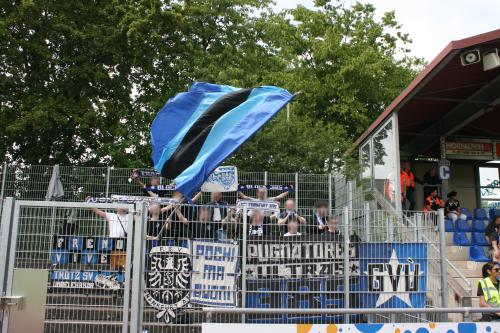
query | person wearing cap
[488, 290]
[452, 207]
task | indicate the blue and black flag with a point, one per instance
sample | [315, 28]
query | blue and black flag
[197, 130]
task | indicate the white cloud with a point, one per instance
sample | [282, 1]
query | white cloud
[432, 24]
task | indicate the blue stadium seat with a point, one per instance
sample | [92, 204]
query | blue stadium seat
[476, 253]
[460, 239]
[448, 225]
[479, 239]
[494, 212]
[467, 213]
[479, 225]
[462, 225]
[480, 214]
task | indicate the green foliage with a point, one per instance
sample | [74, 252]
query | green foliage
[81, 81]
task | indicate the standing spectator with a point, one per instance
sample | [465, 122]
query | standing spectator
[153, 181]
[203, 227]
[293, 228]
[117, 221]
[320, 216]
[154, 223]
[488, 291]
[290, 214]
[431, 181]
[257, 227]
[332, 231]
[493, 234]
[433, 202]
[452, 207]
[262, 195]
[117, 228]
[218, 212]
[407, 186]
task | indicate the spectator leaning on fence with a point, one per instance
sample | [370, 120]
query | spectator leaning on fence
[493, 234]
[117, 222]
[488, 291]
[320, 216]
[257, 226]
[154, 223]
[290, 214]
[452, 207]
[218, 212]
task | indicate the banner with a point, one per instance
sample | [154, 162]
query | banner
[285, 188]
[469, 149]
[267, 207]
[301, 273]
[215, 266]
[222, 179]
[393, 275]
[355, 328]
[86, 279]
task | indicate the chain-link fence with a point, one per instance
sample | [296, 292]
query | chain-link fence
[250, 255]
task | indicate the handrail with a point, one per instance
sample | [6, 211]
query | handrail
[464, 310]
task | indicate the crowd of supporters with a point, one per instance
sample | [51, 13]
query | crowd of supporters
[217, 219]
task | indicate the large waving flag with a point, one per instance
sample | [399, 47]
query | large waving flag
[197, 130]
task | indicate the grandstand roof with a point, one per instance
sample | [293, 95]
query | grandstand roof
[447, 98]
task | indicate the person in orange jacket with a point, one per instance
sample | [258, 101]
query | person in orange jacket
[433, 202]
[408, 186]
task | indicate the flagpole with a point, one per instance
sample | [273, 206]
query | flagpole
[169, 217]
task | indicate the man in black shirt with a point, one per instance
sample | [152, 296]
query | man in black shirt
[203, 228]
[218, 212]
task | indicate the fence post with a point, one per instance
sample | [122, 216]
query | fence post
[108, 173]
[265, 178]
[349, 194]
[5, 226]
[296, 189]
[330, 194]
[2, 190]
[367, 221]
[346, 263]
[442, 259]
[244, 263]
[136, 302]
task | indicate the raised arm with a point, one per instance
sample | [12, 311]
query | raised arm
[281, 196]
[197, 196]
[244, 197]
[98, 212]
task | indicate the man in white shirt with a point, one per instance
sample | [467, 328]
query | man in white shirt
[117, 222]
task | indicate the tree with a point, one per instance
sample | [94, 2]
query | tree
[82, 82]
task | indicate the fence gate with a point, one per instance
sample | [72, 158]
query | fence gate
[63, 268]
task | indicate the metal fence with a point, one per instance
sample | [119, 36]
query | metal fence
[187, 258]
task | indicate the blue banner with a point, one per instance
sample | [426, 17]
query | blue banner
[393, 275]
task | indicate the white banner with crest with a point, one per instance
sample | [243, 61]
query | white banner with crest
[223, 179]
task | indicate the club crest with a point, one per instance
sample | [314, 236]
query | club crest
[223, 176]
[167, 280]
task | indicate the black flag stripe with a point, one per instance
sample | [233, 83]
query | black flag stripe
[191, 144]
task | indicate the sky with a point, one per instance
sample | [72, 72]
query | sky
[431, 24]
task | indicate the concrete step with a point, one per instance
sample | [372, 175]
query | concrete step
[457, 253]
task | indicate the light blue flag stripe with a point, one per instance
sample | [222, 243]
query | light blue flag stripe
[230, 132]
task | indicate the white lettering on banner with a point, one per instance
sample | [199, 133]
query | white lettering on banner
[214, 273]
[222, 179]
[444, 172]
[468, 148]
[268, 207]
[481, 327]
